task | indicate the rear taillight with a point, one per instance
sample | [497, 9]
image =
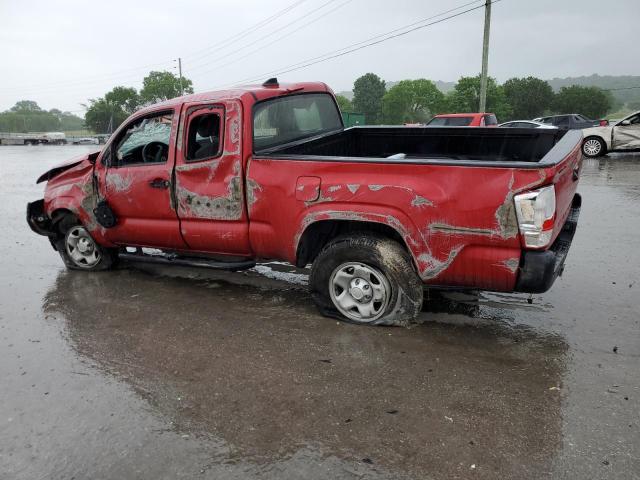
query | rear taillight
[536, 214]
[604, 123]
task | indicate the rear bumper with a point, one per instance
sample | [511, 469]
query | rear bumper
[538, 270]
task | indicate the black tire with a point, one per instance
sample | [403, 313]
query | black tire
[384, 256]
[589, 148]
[107, 257]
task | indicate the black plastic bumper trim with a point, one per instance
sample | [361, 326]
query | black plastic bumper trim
[539, 269]
[38, 220]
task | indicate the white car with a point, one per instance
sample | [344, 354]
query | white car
[525, 124]
[617, 137]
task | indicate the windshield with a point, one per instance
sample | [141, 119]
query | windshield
[450, 121]
[295, 117]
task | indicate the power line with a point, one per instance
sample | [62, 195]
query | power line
[265, 45]
[365, 43]
[123, 75]
[228, 54]
[218, 46]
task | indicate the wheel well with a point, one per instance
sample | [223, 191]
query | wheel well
[318, 234]
[58, 215]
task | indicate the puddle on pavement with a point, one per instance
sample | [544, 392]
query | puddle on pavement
[253, 365]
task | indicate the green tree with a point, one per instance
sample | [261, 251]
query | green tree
[68, 121]
[411, 101]
[529, 97]
[590, 101]
[105, 114]
[26, 106]
[344, 103]
[125, 97]
[465, 97]
[26, 116]
[160, 86]
[102, 116]
[368, 91]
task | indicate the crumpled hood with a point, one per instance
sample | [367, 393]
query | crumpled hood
[67, 164]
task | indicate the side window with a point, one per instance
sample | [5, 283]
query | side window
[144, 141]
[562, 121]
[635, 120]
[204, 134]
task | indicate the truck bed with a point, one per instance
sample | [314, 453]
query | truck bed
[431, 144]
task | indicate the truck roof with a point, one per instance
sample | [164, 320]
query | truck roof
[255, 92]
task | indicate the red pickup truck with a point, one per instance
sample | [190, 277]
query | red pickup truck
[463, 120]
[269, 172]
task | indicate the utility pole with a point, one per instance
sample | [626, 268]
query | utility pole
[180, 74]
[485, 57]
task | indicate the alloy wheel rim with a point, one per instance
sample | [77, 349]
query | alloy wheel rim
[81, 248]
[592, 147]
[359, 291]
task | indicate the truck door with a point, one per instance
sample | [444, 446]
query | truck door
[626, 134]
[209, 186]
[135, 179]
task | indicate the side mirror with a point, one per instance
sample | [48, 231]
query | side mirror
[625, 123]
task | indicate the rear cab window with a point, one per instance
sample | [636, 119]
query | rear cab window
[295, 117]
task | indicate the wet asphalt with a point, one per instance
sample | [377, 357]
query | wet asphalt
[154, 372]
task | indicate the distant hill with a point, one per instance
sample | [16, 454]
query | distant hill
[607, 82]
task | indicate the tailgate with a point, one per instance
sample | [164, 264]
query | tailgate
[566, 174]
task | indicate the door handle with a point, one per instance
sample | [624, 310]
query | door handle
[159, 183]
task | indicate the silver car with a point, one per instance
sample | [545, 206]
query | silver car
[617, 137]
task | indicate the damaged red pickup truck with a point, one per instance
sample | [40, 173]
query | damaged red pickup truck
[269, 172]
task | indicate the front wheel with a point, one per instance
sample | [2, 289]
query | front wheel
[79, 251]
[593, 147]
[366, 279]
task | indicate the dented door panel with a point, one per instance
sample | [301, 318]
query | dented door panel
[140, 196]
[209, 194]
[626, 137]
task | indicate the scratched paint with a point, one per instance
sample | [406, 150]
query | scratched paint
[431, 267]
[511, 264]
[253, 187]
[455, 230]
[419, 201]
[117, 182]
[226, 207]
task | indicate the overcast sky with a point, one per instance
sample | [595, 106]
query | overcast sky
[62, 53]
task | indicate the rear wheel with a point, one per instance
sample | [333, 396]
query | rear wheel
[79, 251]
[593, 147]
[366, 279]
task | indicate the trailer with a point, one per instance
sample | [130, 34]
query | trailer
[33, 138]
